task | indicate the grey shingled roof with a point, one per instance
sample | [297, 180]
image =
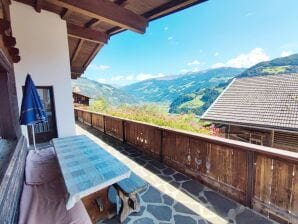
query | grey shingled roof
[264, 101]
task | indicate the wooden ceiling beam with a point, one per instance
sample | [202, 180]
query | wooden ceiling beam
[170, 7]
[120, 2]
[163, 10]
[87, 34]
[106, 11]
[38, 5]
[92, 23]
[94, 53]
[65, 14]
[76, 51]
[77, 70]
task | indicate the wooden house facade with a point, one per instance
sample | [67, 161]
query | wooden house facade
[80, 100]
[259, 110]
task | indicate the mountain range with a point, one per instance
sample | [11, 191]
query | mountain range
[199, 100]
[166, 89]
[93, 89]
[192, 92]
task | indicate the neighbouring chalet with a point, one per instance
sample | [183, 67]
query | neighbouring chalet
[261, 110]
[80, 100]
[55, 41]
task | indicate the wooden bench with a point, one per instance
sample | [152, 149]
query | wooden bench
[44, 197]
[128, 190]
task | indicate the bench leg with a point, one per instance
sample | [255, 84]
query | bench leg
[129, 204]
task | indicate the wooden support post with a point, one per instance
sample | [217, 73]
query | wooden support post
[250, 178]
[104, 124]
[91, 119]
[123, 130]
[161, 148]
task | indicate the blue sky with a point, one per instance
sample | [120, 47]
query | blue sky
[216, 33]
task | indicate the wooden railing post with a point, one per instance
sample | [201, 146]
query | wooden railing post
[91, 115]
[161, 148]
[104, 124]
[123, 130]
[76, 114]
[250, 178]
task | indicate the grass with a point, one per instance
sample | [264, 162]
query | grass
[275, 69]
[154, 114]
[196, 102]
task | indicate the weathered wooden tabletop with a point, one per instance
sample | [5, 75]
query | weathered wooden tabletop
[86, 167]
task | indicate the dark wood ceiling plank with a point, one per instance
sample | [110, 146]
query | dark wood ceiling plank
[87, 34]
[106, 11]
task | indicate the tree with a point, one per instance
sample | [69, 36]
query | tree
[99, 105]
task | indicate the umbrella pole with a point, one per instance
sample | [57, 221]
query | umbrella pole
[33, 136]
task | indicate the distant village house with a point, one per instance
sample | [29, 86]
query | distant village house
[261, 110]
[80, 100]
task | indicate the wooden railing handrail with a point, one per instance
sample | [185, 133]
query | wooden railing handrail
[272, 152]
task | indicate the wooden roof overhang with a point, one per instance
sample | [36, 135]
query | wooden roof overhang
[90, 23]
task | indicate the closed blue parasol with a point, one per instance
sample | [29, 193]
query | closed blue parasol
[32, 110]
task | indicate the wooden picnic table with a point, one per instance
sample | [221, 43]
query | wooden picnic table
[86, 167]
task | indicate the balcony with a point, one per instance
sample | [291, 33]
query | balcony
[196, 178]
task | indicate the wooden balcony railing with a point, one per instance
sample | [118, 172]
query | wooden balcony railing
[262, 178]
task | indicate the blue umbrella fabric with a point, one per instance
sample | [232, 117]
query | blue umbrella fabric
[32, 110]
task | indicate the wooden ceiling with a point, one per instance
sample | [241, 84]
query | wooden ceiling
[90, 23]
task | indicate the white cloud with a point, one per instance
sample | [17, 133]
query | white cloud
[196, 69]
[218, 65]
[130, 77]
[101, 80]
[193, 63]
[248, 14]
[166, 28]
[170, 38]
[216, 54]
[183, 71]
[99, 67]
[144, 76]
[245, 60]
[286, 53]
[122, 78]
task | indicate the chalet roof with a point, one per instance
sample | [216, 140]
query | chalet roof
[265, 101]
[90, 23]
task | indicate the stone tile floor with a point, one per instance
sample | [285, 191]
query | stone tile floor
[172, 197]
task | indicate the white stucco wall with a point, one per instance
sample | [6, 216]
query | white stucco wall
[42, 40]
